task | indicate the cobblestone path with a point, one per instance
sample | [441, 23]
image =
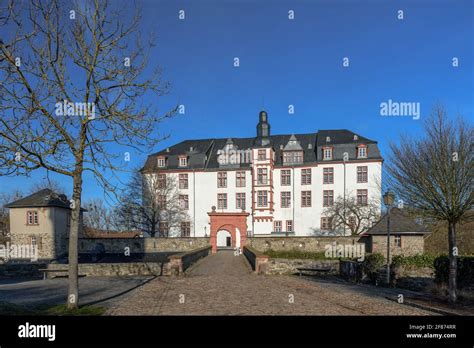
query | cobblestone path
[222, 284]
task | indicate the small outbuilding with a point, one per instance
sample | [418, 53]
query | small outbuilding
[407, 234]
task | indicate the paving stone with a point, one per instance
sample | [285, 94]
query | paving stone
[221, 284]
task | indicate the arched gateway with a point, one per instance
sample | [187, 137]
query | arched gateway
[235, 224]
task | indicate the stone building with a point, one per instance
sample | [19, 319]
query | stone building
[407, 234]
[267, 185]
[41, 220]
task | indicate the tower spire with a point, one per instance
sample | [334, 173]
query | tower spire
[263, 127]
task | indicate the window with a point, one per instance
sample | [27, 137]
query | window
[362, 197]
[262, 176]
[305, 199]
[163, 228]
[183, 161]
[240, 201]
[222, 200]
[262, 155]
[32, 217]
[161, 178]
[240, 179]
[292, 157]
[305, 176]
[34, 243]
[327, 153]
[328, 175]
[161, 162]
[185, 229]
[285, 177]
[222, 179]
[286, 199]
[262, 198]
[162, 201]
[361, 174]
[289, 225]
[326, 224]
[184, 201]
[277, 226]
[183, 181]
[398, 240]
[328, 198]
[362, 151]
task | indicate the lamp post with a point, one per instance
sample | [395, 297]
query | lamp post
[388, 199]
[345, 158]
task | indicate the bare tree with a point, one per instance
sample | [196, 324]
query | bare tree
[350, 215]
[6, 198]
[433, 176]
[51, 184]
[73, 81]
[151, 199]
[100, 216]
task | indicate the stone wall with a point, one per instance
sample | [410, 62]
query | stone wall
[27, 270]
[411, 245]
[113, 269]
[179, 263]
[174, 265]
[289, 266]
[315, 244]
[142, 245]
[257, 260]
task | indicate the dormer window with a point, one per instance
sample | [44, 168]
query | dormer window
[328, 139]
[362, 151]
[183, 161]
[292, 157]
[356, 137]
[161, 162]
[327, 153]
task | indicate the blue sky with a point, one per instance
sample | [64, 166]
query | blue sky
[299, 62]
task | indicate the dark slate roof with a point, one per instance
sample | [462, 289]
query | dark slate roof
[400, 223]
[42, 198]
[202, 153]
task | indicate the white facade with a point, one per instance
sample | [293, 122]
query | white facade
[203, 193]
[211, 180]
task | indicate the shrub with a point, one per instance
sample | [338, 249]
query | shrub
[371, 264]
[295, 254]
[465, 275]
[415, 260]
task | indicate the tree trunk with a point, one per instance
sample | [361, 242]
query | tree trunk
[453, 263]
[73, 291]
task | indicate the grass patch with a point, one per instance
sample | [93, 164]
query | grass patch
[83, 310]
[296, 254]
[7, 308]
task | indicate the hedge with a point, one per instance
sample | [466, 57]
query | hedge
[371, 265]
[465, 274]
[415, 260]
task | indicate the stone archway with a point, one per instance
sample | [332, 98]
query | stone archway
[234, 223]
[224, 239]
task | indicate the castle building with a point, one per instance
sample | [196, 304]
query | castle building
[268, 185]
